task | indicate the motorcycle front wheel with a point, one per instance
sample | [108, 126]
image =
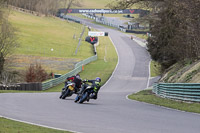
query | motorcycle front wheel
[84, 97]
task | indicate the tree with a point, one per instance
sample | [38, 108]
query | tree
[174, 26]
[7, 35]
[47, 7]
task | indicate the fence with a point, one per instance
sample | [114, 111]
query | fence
[115, 23]
[23, 86]
[178, 91]
[78, 68]
[71, 18]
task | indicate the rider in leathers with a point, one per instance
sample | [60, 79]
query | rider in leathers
[77, 80]
[95, 85]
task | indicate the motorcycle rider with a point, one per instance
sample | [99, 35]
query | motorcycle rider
[77, 80]
[95, 85]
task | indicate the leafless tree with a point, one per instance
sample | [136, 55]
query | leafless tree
[7, 35]
[47, 7]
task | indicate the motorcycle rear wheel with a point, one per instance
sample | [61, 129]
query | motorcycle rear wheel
[65, 94]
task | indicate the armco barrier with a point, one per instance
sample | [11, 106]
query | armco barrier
[78, 68]
[178, 91]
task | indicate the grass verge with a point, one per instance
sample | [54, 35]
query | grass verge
[10, 126]
[47, 39]
[155, 68]
[148, 97]
[38, 35]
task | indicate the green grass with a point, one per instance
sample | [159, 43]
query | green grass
[98, 4]
[10, 126]
[148, 97]
[38, 35]
[155, 69]
[106, 63]
[100, 68]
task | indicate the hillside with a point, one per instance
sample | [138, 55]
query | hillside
[189, 72]
[48, 41]
[98, 4]
[95, 3]
[52, 42]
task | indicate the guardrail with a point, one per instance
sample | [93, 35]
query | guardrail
[78, 68]
[36, 86]
[178, 91]
[71, 18]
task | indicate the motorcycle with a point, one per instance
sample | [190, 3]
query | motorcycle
[68, 90]
[85, 95]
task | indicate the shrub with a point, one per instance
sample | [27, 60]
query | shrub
[35, 73]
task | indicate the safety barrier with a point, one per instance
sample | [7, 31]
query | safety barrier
[78, 68]
[36, 86]
[71, 18]
[178, 91]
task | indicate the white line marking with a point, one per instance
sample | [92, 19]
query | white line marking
[149, 74]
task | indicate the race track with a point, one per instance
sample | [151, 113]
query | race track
[112, 112]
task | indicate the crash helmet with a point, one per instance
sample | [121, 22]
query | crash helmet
[78, 76]
[98, 79]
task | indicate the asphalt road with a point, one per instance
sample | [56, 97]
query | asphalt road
[112, 112]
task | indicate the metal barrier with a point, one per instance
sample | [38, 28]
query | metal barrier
[78, 68]
[178, 91]
[71, 18]
[36, 86]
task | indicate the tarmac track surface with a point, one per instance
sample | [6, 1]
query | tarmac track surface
[112, 112]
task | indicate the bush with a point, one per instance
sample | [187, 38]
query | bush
[35, 73]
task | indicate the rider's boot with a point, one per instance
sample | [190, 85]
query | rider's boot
[77, 98]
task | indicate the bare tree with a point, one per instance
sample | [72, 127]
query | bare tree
[47, 7]
[7, 36]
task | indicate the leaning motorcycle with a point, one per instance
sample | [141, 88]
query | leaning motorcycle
[68, 90]
[85, 95]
